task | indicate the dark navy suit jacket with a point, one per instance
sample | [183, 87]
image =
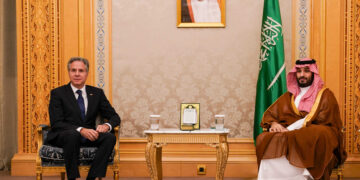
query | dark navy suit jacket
[65, 113]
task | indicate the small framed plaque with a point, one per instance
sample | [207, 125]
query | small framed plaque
[189, 116]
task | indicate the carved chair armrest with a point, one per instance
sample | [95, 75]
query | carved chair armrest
[116, 148]
[116, 131]
[40, 142]
[40, 129]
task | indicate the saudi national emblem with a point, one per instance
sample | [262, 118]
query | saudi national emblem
[269, 36]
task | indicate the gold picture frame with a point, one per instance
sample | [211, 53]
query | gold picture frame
[189, 116]
[186, 16]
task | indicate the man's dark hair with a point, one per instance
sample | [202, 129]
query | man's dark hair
[84, 60]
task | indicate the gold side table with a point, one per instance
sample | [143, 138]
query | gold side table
[158, 138]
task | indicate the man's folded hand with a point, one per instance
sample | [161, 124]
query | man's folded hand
[102, 128]
[89, 134]
[276, 127]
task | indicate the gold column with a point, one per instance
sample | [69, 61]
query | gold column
[352, 79]
[37, 64]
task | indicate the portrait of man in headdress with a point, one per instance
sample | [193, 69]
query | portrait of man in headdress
[201, 11]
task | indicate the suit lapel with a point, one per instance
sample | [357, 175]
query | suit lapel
[90, 96]
[73, 100]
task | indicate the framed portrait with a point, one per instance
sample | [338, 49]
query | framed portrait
[200, 13]
[189, 116]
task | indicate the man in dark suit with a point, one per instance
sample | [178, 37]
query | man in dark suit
[73, 110]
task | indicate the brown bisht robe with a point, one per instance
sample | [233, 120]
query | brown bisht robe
[317, 147]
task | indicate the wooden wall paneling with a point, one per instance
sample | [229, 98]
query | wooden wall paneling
[38, 60]
[352, 87]
[77, 35]
[334, 50]
[342, 58]
[87, 43]
[69, 34]
[318, 34]
[349, 56]
[89, 38]
[356, 80]
[327, 42]
[315, 30]
[327, 36]
[38, 69]
[352, 91]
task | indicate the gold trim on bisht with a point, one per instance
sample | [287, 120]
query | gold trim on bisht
[314, 107]
[294, 106]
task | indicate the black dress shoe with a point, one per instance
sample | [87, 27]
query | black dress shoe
[90, 178]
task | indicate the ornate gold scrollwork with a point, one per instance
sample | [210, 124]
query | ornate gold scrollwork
[356, 81]
[39, 66]
[352, 78]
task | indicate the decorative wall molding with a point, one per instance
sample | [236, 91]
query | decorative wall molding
[302, 28]
[38, 66]
[352, 78]
[102, 25]
[357, 80]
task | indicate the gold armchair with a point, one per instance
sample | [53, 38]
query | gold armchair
[55, 163]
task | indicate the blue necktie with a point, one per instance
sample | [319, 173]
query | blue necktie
[81, 104]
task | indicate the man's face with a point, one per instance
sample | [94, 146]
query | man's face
[78, 74]
[304, 76]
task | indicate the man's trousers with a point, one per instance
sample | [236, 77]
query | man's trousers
[71, 140]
